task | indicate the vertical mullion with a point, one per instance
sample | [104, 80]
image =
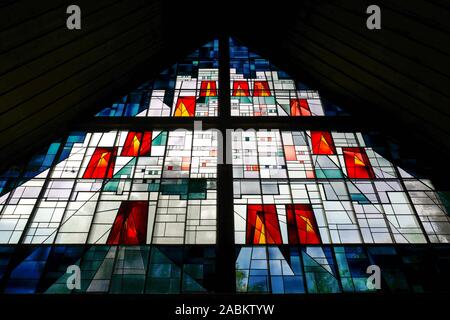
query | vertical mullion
[225, 236]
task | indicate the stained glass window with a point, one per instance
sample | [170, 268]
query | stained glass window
[138, 208]
[315, 187]
[119, 187]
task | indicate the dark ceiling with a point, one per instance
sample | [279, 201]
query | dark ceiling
[396, 78]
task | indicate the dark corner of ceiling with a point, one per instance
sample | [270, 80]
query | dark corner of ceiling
[52, 77]
[395, 79]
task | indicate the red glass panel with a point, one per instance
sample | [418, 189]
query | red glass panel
[136, 141]
[185, 107]
[261, 89]
[357, 163]
[130, 225]
[240, 89]
[301, 223]
[322, 143]
[208, 89]
[300, 107]
[262, 225]
[101, 164]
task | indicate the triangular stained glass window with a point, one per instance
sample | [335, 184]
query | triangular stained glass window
[309, 206]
